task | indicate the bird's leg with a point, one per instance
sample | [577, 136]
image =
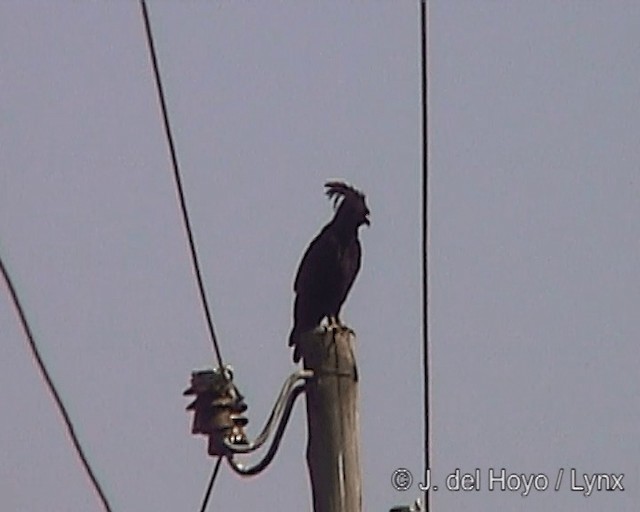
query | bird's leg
[338, 322]
[340, 325]
[335, 323]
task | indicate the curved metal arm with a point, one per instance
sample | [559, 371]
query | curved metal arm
[249, 471]
[276, 412]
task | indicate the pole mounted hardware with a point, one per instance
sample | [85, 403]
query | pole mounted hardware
[218, 409]
[417, 506]
[218, 413]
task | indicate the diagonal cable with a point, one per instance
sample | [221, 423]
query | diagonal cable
[52, 389]
[207, 493]
[178, 180]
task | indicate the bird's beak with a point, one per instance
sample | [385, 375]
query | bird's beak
[366, 220]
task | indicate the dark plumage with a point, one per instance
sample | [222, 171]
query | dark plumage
[330, 264]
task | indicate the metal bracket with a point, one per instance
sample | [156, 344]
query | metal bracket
[218, 409]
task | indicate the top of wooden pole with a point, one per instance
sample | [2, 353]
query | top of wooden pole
[333, 450]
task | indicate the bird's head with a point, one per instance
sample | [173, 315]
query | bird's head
[352, 209]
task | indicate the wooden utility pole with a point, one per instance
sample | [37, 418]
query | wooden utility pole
[333, 450]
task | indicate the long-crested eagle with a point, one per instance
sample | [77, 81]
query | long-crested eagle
[330, 264]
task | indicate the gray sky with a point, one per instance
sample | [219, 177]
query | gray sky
[535, 116]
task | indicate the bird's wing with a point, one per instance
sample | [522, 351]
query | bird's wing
[350, 268]
[318, 264]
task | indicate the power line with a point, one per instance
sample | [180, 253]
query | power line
[425, 238]
[207, 493]
[178, 181]
[52, 389]
[185, 217]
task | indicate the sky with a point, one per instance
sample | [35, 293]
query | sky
[534, 118]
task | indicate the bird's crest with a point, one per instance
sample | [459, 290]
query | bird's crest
[338, 190]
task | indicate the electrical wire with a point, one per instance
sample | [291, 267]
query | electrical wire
[178, 181]
[185, 218]
[207, 493]
[52, 389]
[425, 237]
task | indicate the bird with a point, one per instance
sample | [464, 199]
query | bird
[330, 264]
